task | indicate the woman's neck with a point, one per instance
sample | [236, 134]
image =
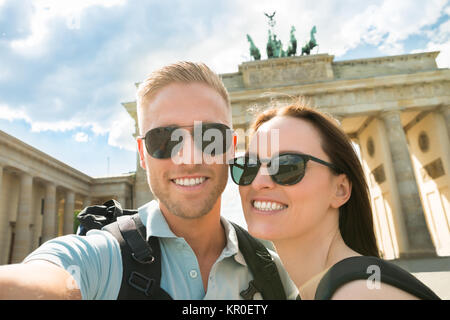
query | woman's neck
[310, 254]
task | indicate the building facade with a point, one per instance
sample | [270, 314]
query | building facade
[39, 195]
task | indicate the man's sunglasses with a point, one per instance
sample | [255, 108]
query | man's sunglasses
[163, 142]
[285, 169]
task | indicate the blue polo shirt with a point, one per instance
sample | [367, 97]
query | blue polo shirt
[95, 262]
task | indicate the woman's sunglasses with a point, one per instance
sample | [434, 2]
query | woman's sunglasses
[163, 142]
[285, 169]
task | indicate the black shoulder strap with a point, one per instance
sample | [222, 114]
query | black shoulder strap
[361, 268]
[141, 260]
[265, 272]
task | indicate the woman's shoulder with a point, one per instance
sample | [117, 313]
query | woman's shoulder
[360, 290]
[364, 277]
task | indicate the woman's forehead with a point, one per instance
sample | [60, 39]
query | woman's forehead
[284, 133]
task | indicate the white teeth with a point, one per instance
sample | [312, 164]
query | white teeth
[268, 205]
[189, 182]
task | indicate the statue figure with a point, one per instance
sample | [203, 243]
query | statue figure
[271, 20]
[270, 48]
[311, 44]
[278, 46]
[254, 51]
[274, 47]
[292, 49]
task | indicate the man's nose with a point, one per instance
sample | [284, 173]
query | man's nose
[188, 153]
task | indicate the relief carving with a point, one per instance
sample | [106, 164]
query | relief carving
[433, 170]
[294, 73]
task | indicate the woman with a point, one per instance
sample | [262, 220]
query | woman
[306, 192]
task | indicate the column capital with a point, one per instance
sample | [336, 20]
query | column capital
[387, 114]
[50, 184]
[445, 111]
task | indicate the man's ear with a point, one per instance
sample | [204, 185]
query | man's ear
[343, 191]
[140, 144]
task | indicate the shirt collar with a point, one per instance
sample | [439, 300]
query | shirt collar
[154, 221]
[232, 247]
[156, 225]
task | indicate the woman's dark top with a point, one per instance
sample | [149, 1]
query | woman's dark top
[359, 268]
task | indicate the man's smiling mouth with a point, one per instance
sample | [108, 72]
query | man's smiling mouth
[189, 181]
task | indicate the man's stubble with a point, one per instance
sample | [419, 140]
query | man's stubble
[189, 209]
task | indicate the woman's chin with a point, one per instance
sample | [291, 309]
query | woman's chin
[264, 231]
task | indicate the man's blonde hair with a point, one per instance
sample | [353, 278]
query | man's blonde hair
[179, 72]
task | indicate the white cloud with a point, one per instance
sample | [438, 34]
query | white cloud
[81, 137]
[45, 11]
[61, 126]
[341, 26]
[121, 133]
[10, 114]
[82, 88]
[440, 41]
[443, 59]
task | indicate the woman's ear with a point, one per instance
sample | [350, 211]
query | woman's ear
[343, 191]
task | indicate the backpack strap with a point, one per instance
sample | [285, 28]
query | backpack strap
[266, 278]
[141, 260]
[359, 268]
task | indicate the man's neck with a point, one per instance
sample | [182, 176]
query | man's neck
[205, 235]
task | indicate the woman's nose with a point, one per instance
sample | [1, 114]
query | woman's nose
[263, 180]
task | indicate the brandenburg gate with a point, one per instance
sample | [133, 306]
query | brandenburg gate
[396, 109]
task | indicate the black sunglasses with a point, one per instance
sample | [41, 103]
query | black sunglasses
[163, 142]
[285, 168]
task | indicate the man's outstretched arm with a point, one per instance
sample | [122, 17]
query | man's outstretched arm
[37, 279]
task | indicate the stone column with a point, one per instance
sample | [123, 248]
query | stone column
[22, 239]
[4, 221]
[1, 177]
[445, 111]
[49, 223]
[69, 208]
[418, 236]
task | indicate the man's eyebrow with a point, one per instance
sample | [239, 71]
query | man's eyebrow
[189, 125]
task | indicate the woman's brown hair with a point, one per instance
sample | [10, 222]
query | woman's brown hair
[355, 216]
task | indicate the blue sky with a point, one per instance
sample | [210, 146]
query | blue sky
[66, 66]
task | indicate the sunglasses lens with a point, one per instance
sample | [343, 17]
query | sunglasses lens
[291, 169]
[243, 171]
[160, 143]
[216, 138]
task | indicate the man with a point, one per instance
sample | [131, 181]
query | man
[200, 258]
